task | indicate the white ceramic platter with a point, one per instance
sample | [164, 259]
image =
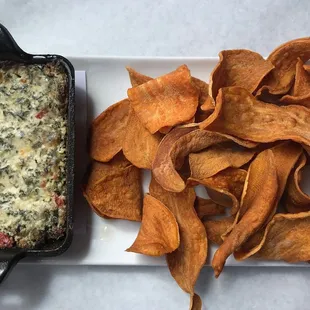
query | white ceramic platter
[103, 242]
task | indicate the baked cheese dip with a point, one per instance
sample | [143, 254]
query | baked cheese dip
[33, 126]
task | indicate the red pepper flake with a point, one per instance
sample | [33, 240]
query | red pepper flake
[59, 201]
[41, 114]
[5, 241]
[23, 81]
[43, 184]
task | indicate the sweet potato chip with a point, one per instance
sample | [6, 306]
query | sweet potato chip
[224, 188]
[139, 145]
[287, 237]
[300, 93]
[195, 303]
[113, 190]
[239, 114]
[257, 203]
[108, 130]
[296, 199]
[137, 78]
[239, 68]
[165, 101]
[159, 231]
[284, 59]
[203, 89]
[307, 68]
[217, 158]
[186, 262]
[216, 228]
[207, 207]
[179, 143]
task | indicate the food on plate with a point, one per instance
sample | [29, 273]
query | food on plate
[159, 231]
[33, 153]
[244, 138]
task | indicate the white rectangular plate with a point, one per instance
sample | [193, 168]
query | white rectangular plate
[103, 242]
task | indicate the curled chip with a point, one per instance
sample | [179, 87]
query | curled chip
[300, 93]
[139, 145]
[179, 143]
[284, 59]
[287, 237]
[186, 262]
[238, 113]
[165, 101]
[296, 199]
[224, 188]
[108, 130]
[114, 190]
[217, 158]
[137, 78]
[257, 203]
[206, 207]
[203, 89]
[239, 68]
[195, 303]
[159, 231]
[285, 155]
[217, 228]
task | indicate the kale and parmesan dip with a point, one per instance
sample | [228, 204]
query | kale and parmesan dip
[33, 126]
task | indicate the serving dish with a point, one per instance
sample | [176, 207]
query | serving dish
[10, 51]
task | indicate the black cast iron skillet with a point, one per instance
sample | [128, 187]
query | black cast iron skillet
[10, 51]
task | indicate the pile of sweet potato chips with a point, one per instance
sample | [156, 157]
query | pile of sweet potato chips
[245, 137]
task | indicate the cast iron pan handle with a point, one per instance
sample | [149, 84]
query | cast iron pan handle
[7, 262]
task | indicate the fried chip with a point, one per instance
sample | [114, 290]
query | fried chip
[108, 131]
[216, 228]
[257, 203]
[224, 188]
[296, 200]
[203, 89]
[300, 93]
[238, 68]
[239, 114]
[179, 143]
[217, 158]
[114, 190]
[284, 59]
[165, 101]
[137, 78]
[195, 303]
[139, 145]
[186, 262]
[159, 231]
[207, 207]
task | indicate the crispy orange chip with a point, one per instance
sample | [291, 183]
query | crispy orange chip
[217, 158]
[137, 78]
[207, 207]
[108, 130]
[257, 203]
[239, 114]
[300, 94]
[159, 231]
[165, 101]
[186, 262]
[113, 190]
[195, 303]
[239, 68]
[284, 58]
[139, 145]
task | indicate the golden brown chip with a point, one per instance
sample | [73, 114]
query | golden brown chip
[179, 143]
[165, 101]
[224, 188]
[284, 59]
[217, 158]
[296, 199]
[257, 203]
[114, 190]
[195, 303]
[139, 145]
[300, 93]
[203, 89]
[239, 114]
[216, 228]
[108, 131]
[137, 78]
[159, 231]
[287, 237]
[207, 207]
[307, 68]
[186, 262]
[238, 68]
